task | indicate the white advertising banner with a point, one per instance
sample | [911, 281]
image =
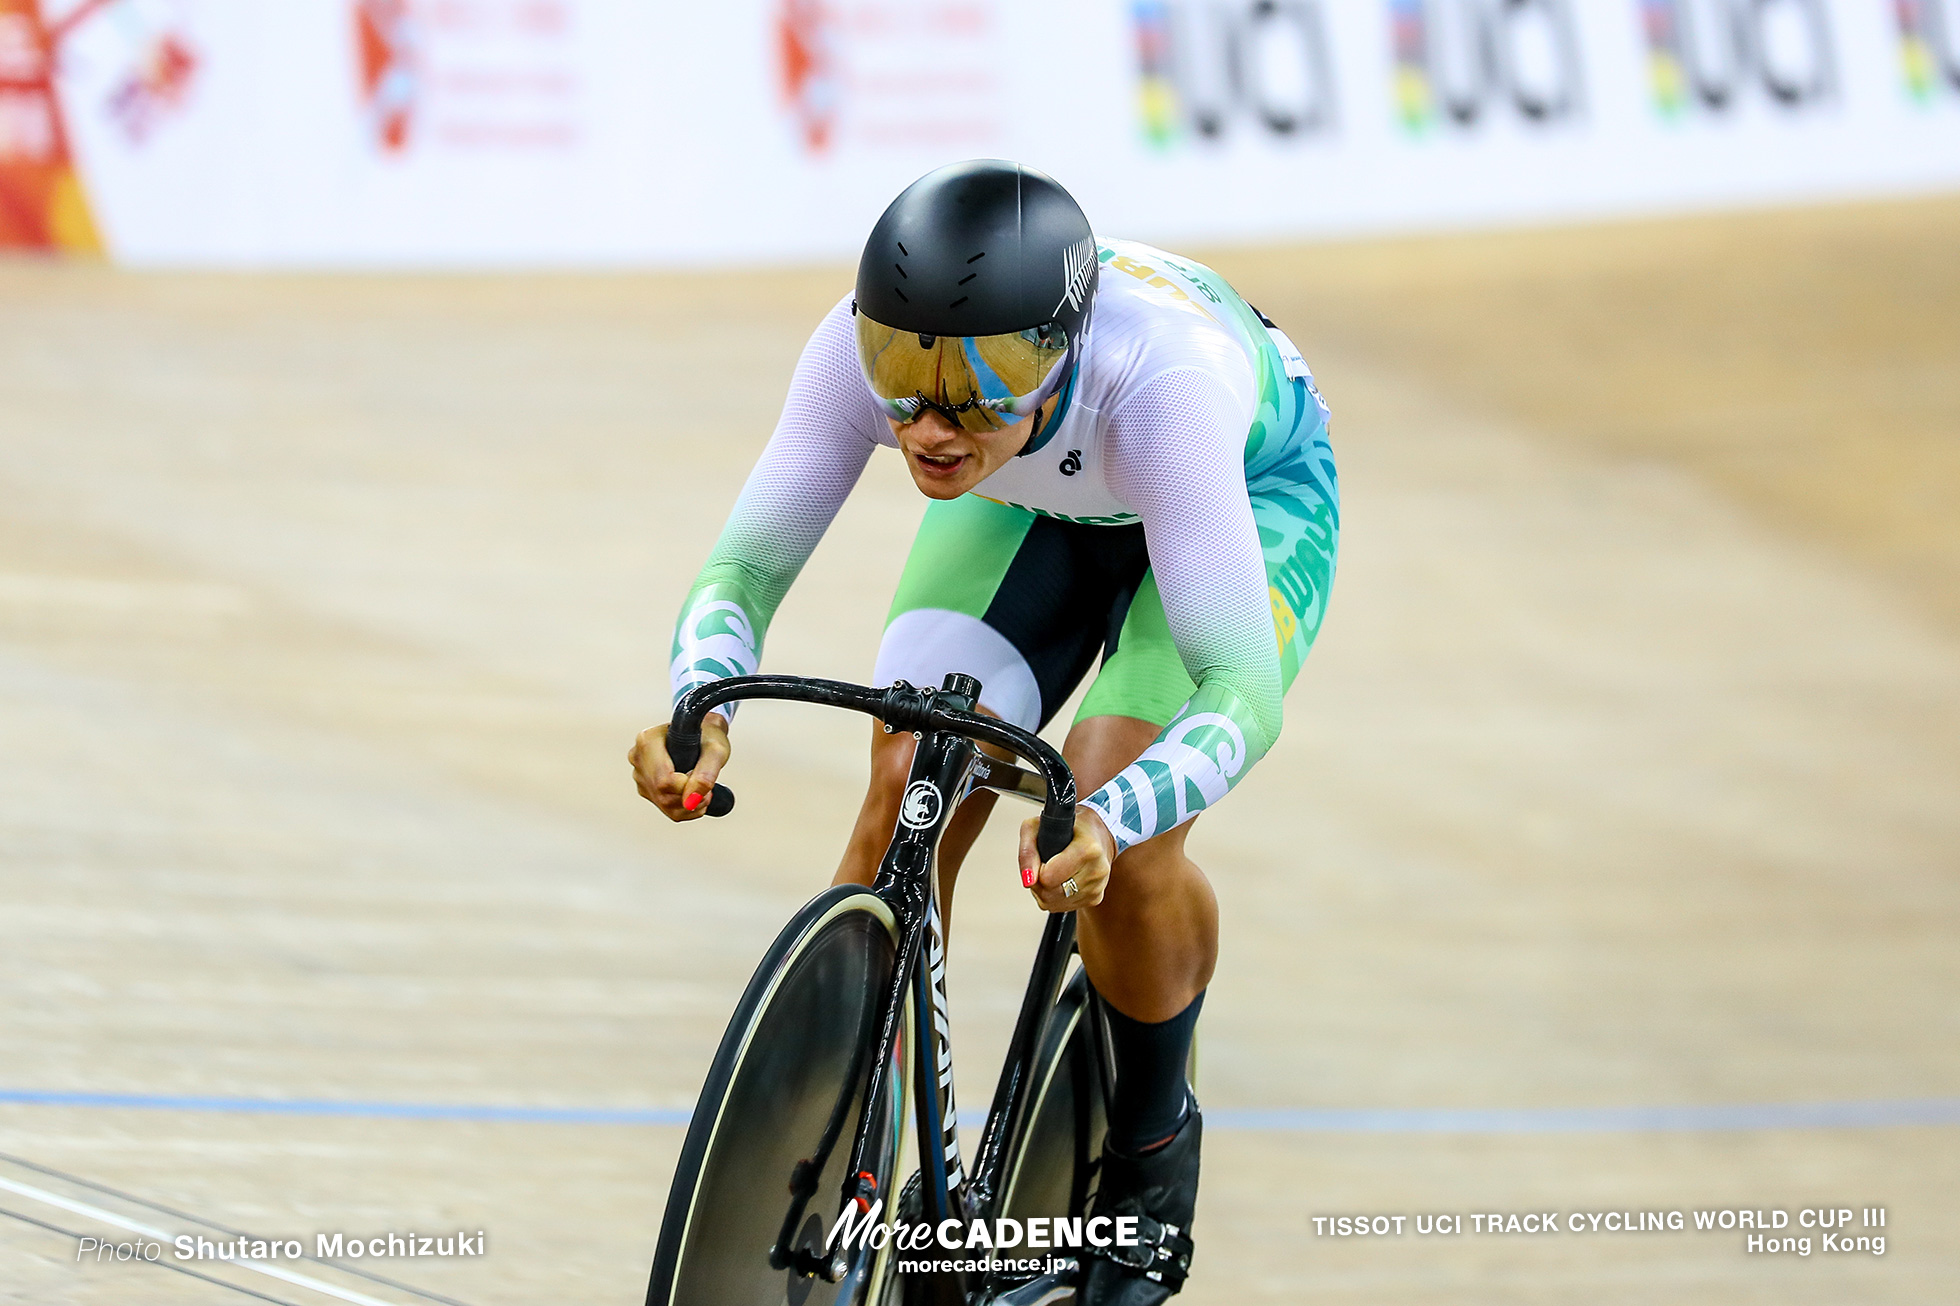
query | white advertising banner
[543, 132]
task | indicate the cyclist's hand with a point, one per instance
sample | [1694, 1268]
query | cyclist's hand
[1085, 862]
[671, 790]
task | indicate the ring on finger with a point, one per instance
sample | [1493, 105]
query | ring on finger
[1069, 887]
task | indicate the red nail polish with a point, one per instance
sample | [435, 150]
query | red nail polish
[1027, 877]
[691, 802]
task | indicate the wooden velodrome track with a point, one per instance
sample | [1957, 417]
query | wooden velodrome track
[1627, 773]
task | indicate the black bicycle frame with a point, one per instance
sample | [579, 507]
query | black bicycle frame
[946, 766]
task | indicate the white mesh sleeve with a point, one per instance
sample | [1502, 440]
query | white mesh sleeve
[1176, 455]
[823, 439]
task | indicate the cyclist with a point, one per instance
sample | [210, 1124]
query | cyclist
[1126, 462]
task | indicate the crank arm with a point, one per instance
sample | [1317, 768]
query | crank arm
[1048, 1289]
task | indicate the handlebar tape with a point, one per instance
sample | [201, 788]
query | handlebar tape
[685, 751]
[1055, 833]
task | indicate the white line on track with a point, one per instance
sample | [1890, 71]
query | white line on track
[257, 1267]
[120, 596]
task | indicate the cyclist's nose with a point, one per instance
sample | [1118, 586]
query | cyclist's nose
[934, 429]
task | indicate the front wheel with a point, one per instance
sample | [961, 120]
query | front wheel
[782, 1101]
[1051, 1170]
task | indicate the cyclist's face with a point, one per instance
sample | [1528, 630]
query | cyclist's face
[946, 460]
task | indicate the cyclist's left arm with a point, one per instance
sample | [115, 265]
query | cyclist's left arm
[824, 438]
[1176, 455]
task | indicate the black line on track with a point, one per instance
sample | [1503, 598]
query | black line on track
[161, 1265]
[371, 1277]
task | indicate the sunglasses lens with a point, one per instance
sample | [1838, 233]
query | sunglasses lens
[982, 382]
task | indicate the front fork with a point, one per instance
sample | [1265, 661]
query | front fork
[907, 879]
[942, 1175]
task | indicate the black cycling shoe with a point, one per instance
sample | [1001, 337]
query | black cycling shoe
[1161, 1190]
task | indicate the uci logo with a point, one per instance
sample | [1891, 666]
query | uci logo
[1461, 59]
[1207, 65]
[1929, 46]
[1708, 53]
[920, 808]
[1073, 463]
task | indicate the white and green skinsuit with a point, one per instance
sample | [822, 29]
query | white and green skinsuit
[1176, 517]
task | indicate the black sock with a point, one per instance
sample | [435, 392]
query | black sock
[1151, 1102]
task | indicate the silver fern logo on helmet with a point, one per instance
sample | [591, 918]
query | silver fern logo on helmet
[1078, 261]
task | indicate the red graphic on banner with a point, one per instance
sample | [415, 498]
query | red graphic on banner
[155, 86]
[386, 39]
[42, 205]
[499, 75]
[889, 74]
[812, 87]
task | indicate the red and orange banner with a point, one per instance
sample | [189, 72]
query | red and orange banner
[42, 203]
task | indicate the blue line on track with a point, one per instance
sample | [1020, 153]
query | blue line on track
[551, 1115]
[1292, 1120]
[1592, 1120]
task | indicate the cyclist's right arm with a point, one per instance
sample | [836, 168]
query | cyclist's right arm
[825, 436]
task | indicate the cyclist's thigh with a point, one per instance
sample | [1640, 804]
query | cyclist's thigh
[1098, 747]
[1142, 674]
[1021, 602]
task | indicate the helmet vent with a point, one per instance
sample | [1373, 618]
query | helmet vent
[968, 277]
[956, 303]
[903, 298]
[901, 270]
[902, 249]
[977, 257]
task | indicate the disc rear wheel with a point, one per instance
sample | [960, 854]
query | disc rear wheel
[1053, 1170]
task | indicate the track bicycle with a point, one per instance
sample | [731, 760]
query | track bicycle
[844, 1025]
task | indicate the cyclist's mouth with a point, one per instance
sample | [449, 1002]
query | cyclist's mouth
[940, 465]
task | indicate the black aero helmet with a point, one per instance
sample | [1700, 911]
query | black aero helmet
[973, 294]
